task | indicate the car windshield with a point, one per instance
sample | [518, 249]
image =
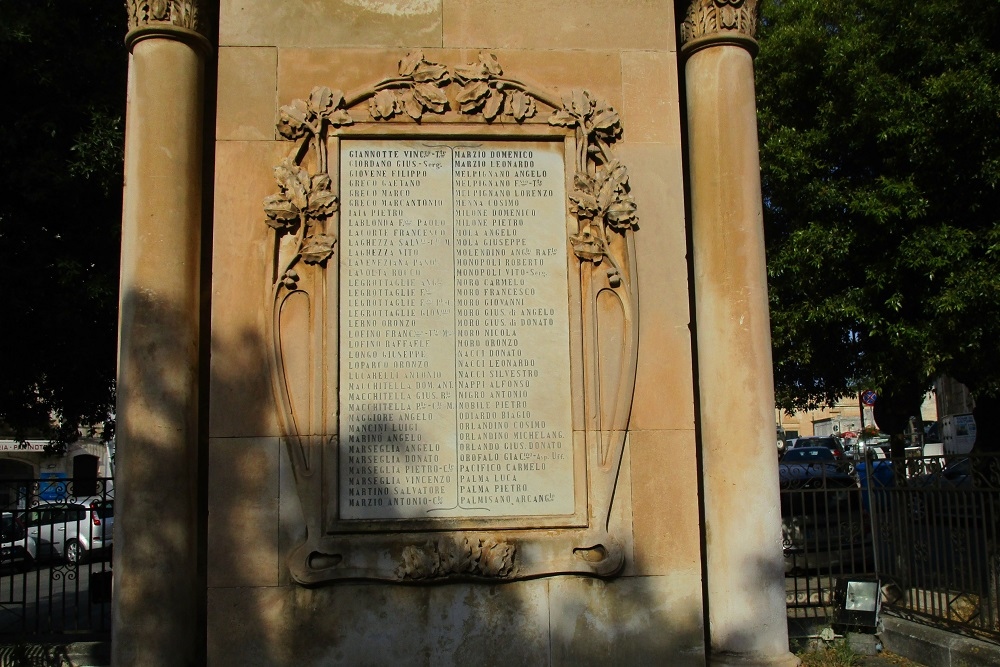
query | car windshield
[808, 454]
[818, 442]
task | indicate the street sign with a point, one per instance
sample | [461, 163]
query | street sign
[868, 397]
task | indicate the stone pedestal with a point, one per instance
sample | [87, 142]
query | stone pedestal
[744, 567]
[155, 606]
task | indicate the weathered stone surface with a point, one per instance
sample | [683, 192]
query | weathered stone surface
[665, 521]
[246, 104]
[242, 403]
[651, 105]
[243, 512]
[664, 396]
[388, 23]
[353, 624]
[632, 621]
[563, 24]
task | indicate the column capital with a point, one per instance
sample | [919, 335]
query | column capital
[716, 22]
[184, 20]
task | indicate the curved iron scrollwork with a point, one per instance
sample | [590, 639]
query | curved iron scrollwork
[305, 216]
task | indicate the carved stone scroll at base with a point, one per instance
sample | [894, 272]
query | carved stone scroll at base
[596, 221]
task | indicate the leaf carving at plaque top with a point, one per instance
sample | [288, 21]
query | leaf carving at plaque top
[419, 88]
[310, 117]
[484, 88]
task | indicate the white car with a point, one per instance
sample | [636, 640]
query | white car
[70, 530]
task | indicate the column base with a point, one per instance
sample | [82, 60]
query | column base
[753, 660]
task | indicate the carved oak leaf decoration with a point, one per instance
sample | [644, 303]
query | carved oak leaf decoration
[491, 63]
[473, 95]
[294, 182]
[281, 213]
[420, 91]
[481, 90]
[622, 213]
[606, 122]
[589, 246]
[419, 562]
[383, 105]
[321, 100]
[493, 105]
[563, 118]
[292, 122]
[521, 105]
[579, 103]
[449, 559]
[322, 201]
[473, 72]
[430, 97]
[406, 103]
[329, 104]
[317, 248]
[607, 183]
[303, 117]
[427, 72]
[577, 106]
[487, 68]
[409, 63]
[583, 199]
[494, 559]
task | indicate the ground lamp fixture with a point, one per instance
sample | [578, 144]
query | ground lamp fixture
[858, 603]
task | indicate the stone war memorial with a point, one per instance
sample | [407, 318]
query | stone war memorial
[444, 337]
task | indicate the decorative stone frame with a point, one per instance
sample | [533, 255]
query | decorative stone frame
[473, 101]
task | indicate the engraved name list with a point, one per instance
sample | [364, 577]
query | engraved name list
[454, 366]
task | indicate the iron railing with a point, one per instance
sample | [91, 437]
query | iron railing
[55, 558]
[927, 527]
[936, 521]
[826, 532]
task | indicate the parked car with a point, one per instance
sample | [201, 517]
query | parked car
[17, 548]
[70, 530]
[812, 467]
[822, 520]
[831, 443]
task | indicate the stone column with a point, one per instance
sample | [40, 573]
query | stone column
[743, 561]
[156, 588]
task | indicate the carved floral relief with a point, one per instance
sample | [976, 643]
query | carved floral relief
[707, 17]
[182, 13]
[479, 557]
[304, 214]
[601, 198]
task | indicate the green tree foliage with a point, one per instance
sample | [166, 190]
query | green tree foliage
[880, 155]
[60, 211]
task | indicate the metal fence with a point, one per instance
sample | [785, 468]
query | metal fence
[926, 527]
[826, 533]
[55, 558]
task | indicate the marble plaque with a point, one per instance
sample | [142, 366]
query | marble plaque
[455, 397]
